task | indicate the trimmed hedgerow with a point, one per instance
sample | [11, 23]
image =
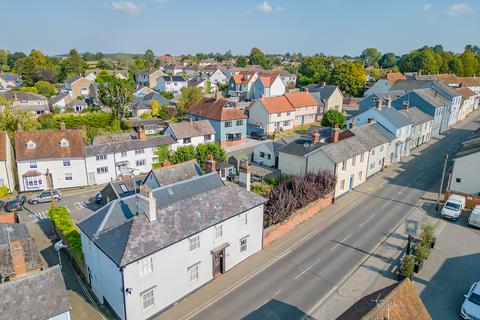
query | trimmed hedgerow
[64, 223]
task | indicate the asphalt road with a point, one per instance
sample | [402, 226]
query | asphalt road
[291, 287]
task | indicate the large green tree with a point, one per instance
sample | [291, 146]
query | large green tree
[388, 60]
[314, 69]
[11, 120]
[45, 88]
[258, 57]
[214, 149]
[470, 63]
[371, 56]
[73, 65]
[189, 97]
[115, 94]
[3, 59]
[333, 117]
[149, 57]
[241, 62]
[349, 76]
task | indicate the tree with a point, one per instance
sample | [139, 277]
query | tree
[11, 121]
[29, 89]
[155, 106]
[13, 57]
[214, 149]
[167, 95]
[424, 60]
[455, 65]
[182, 154]
[371, 56]
[166, 113]
[313, 69]
[73, 65]
[149, 57]
[189, 97]
[3, 59]
[241, 62]
[45, 75]
[45, 88]
[258, 57]
[470, 63]
[162, 153]
[388, 60]
[349, 76]
[333, 117]
[115, 94]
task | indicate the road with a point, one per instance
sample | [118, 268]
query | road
[292, 286]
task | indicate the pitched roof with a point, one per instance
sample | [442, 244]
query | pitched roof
[187, 129]
[325, 91]
[47, 144]
[182, 209]
[18, 96]
[465, 92]
[303, 145]
[448, 77]
[449, 90]
[393, 77]
[76, 102]
[301, 99]
[416, 116]
[267, 79]
[243, 77]
[395, 117]
[432, 97]
[58, 98]
[397, 301]
[177, 172]
[220, 110]
[345, 148]
[72, 79]
[145, 102]
[469, 147]
[174, 78]
[276, 104]
[470, 81]
[409, 85]
[373, 134]
[3, 145]
[39, 296]
[127, 145]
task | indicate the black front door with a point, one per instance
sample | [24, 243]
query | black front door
[218, 262]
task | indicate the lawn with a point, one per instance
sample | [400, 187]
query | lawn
[297, 130]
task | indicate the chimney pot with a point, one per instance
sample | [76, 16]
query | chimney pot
[389, 102]
[379, 103]
[147, 203]
[141, 133]
[315, 137]
[245, 175]
[336, 134]
[210, 165]
[405, 105]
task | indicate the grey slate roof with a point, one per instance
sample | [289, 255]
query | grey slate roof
[174, 78]
[432, 97]
[72, 79]
[449, 90]
[39, 296]
[185, 129]
[303, 145]
[145, 102]
[324, 91]
[409, 85]
[394, 116]
[127, 145]
[176, 173]
[57, 98]
[345, 149]
[183, 209]
[373, 134]
[122, 188]
[416, 115]
[18, 95]
[76, 102]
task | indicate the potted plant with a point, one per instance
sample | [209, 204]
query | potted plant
[421, 252]
[406, 267]
[427, 235]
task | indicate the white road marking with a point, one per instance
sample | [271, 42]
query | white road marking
[418, 177]
[342, 241]
[403, 189]
[386, 204]
[364, 222]
[278, 291]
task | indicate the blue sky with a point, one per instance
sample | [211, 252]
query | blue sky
[276, 26]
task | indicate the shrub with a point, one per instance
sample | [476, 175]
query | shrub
[261, 188]
[407, 266]
[183, 154]
[427, 234]
[421, 251]
[3, 191]
[64, 223]
[204, 150]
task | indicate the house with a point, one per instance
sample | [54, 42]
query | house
[230, 125]
[370, 101]
[149, 126]
[464, 177]
[179, 236]
[141, 91]
[422, 125]
[218, 77]
[473, 83]
[289, 79]
[143, 104]
[449, 78]
[77, 105]
[268, 85]
[397, 301]
[9, 81]
[451, 95]
[7, 162]
[148, 78]
[328, 97]
[170, 174]
[242, 85]
[172, 84]
[27, 101]
[190, 133]
[174, 69]
[93, 73]
[382, 85]
[19, 255]
[119, 155]
[381, 145]
[204, 85]
[41, 295]
[468, 102]
[266, 153]
[272, 114]
[430, 102]
[121, 188]
[305, 105]
[78, 86]
[394, 121]
[59, 101]
[58, 152]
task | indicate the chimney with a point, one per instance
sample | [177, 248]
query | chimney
[315, 137]
[218, 94]
[146, 203]
[389, 102]
[336, 134]
[306, 90]
[165, 163]
[63, 127]
[190, 119]
[379, 103]
[353, 124]
[141, 133]
[405, 105]
[371, 120]
[210, 164]
[18, 258]
[245, 173]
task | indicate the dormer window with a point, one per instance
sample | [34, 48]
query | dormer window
[64, 143]
[31, 145]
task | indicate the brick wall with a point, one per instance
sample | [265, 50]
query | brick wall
[272, 233]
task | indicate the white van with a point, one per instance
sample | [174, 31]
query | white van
[474, 219]
[453, 207]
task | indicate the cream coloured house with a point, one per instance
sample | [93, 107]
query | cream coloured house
[272, 114]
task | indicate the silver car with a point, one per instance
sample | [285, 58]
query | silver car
[44, 196]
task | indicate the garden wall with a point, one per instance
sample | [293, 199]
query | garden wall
[274, 232]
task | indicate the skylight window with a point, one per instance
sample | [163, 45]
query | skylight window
[31, 145]
[64, 143]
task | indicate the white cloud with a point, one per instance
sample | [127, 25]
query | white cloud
[459, 8]
[427, 7]
[267, 8]
[127, 6]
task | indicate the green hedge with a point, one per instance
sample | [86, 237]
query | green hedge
[63, 222]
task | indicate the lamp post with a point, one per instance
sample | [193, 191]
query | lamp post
[50, 186]
[441, 183]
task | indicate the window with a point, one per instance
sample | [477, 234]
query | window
[372, 165]
[373, 152]
[353, 161]
[242, 221]
[458, 180]
[34, 181]
[68, 177]
[155, 159]
[269, 156]
[64, 143]
[33, 165]
[124, 187]
[140, 163]
[288, 113]
[207, 137]
[218, 231]
[243, 245]
[31, 145]
[194, 243]
[145, 266]
[360, 174]
[148, 299]
[344, 165]
[193, 273]
[102, 170]
[380, 162]
[123, 154]
[66, 163]
[101, 157]
[286, 123]
[262, 154]
[239, 123]
[381, 149]
[187, 140]
[228, 124]
[361, 157]
[342, 185]
[279, 114]
[234, 136]
[140, 151]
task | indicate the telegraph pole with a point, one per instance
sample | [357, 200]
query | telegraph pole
[441, 183]
[50, 186]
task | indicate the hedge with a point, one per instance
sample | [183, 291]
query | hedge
[64, 223]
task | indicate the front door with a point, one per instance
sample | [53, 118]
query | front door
[218, 262]
[303, 119]
[351, 182]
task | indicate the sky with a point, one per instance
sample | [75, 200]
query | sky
[333, 27]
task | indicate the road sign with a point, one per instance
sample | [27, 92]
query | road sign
[411, 227]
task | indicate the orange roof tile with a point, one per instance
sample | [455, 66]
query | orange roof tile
[470, 81]
[393, 77]
[301, 99]
[447, 77]
[243, 77]
[219, 110]
[277, 104]
[267, 79]
[8, 217]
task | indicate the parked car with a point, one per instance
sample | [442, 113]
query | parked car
[474, 218]
[98, 198]
[471, 306]
[453, 207]
[15, 204]
[44, 196]
[258, 136]
[2, 204]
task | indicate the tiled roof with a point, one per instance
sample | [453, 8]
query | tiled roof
[409, 85]
[393, 77]
[177, 172]
[276, 104]
[470, 81]
[243, 77]
[145, 102]
[72, 79]
[174, 78]
[58, 98]
[111, 138]
[127, 145]
[187, 129]
[267, 79]
[3, 145]
[301, 99]
[465, 92]
[39, 296]
[345, 149]
[183, 209]
[19, 96]
[416, 116]
[373, 134]
[468, 148]
[325, 91]
[448, 77]
[303, 145]
[220, 110]
[47, 144]
[76, 102]
[394, 116]
[432, 97]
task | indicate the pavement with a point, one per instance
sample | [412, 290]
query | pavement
[296, 275]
